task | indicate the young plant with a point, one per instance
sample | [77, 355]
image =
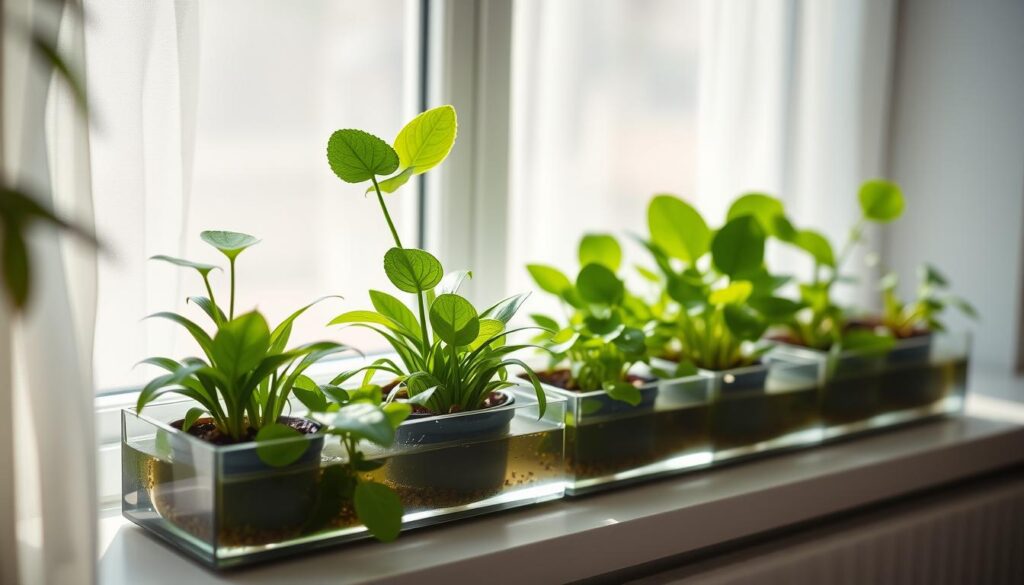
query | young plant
[712, 284]
[923, 314]
[596, 338]
[244, 384]
[246, 376]
[819, 322]
[455, 360]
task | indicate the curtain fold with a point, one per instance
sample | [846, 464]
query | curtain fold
[794, 102]
[45, 366]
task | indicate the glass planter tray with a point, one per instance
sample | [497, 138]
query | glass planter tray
[611, 443]
[224, 507]
[921, 377]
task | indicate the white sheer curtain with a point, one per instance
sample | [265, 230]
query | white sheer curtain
[47, 497]
[794, 102]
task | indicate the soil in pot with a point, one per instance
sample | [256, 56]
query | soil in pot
[745, 414]
[253, 503]
[452, 460]
[610, 436]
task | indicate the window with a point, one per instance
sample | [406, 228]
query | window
[604, 115]
[215, 115]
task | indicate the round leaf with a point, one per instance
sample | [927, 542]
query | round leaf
[549, 279]
[600, 249]
[677, 228]
[744, 323]
[631, 341]
[454, 320]
[603, 325]
[738, 248]
[427, 139]
[379, 508]
[412, 270]
[816, 245]
[279, 452]
[356, 156]
[881, 201]
[597, 284]
[764, 208]
[624, 392]
[230, 244]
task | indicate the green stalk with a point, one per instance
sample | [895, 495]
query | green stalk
[231, 311]
[384, 208]
[216, 309]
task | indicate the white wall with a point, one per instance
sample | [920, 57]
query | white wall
[957, 148]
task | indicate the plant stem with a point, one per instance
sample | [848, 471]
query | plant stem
[384, 208]
[216, 309]
[231, 308]
[423, 325]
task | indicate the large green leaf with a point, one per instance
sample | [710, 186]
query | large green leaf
[230, 244]
[366, 421]
[677, 228]
[357, 156]
[763, 207]
[379, 508]
[597, 284]
[427, 139]
[412, 270]
[454, 320]
[203, 269]
[816, 245]
[548, 278]
[744, 322]
[274, 448]
[395, 310]
[738, 248]
[881, 201]
[600, 249]
[488, 329]
[241, 344]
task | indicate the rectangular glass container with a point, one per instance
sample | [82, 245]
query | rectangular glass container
[918, 378]
[767, 406]
[610, 443]
[224, 507]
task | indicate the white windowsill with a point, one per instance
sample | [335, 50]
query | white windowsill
[584, 537]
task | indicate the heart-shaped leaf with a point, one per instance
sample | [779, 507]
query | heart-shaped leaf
[454, 320]
[412, 270]
[816, 245]
[881, 201]
[677, 228]
[600, 249]
[273, 449]
[230, 244]
[744, 322]
[738, 248]
[597, 284]
[357, 156]
[379, 508]
[427, 139]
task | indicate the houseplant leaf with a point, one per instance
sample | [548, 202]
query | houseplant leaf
[600, 249]
[366, 421]
[274, 450]
[738, 248]
[230, 244]
[379, 508]
[357, 156]
[881, 201]
[816, 245]
[427, 139]
[677, 228]
[241, 344]
[764, 208]
[454, 320]
[548, 278]
[412, 270]
[597, 284]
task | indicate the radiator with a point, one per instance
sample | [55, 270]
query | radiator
[968, 535]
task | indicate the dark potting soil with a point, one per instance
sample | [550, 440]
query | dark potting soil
[493, 399]
[563, 379]
[206, 430]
